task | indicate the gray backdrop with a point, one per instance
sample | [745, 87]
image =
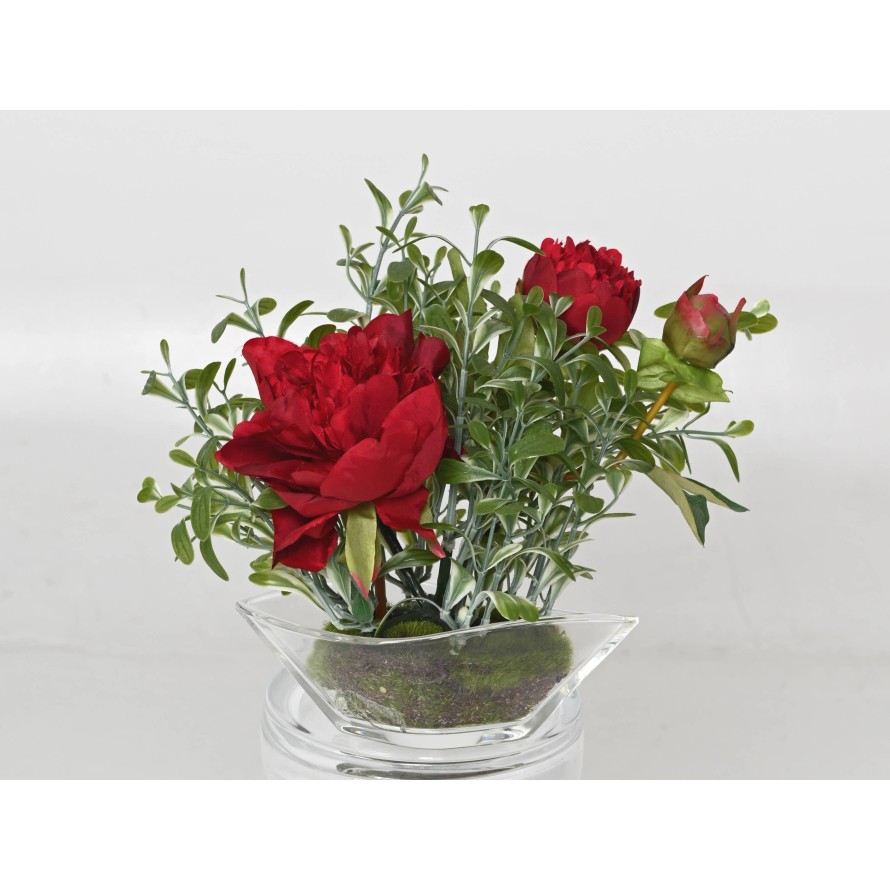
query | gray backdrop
[764, 655]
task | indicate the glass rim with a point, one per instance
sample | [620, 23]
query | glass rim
[248, 608]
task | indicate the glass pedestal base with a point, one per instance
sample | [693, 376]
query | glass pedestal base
[300, 742]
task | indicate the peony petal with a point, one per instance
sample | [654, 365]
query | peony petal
[404, 514]
[431, 354]
[261, 355]
[616, 319]
[396, 331]
[692, 319]
[312, 505]
[365, 410]
[423, 412]
[573, 283]
[303, 544]
[540, 272]
[369, 470]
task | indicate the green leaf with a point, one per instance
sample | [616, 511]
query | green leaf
[182, 545]
[292, 315]
[489, 505]
[740, 428]
[149, 491]
[588, 503]
[730, 456]
[165, 352]
[408, 559]
[362, 608]
[235, 321]
[455, 472]
[383, 203]
[709, 494]
[505, 553]
[206, 548]
[200, 514]
[460, 583]
[228, 372]
[207, 453]
[486, 264]
[339, 316]
[559, 561]
[637, 450]
[537, 443]
[521, 242]
[154, 387]
[479, 212]
[202, 387]
[594, 321]
[694, 507]
[479, 432]
[361, 544]
[168, 502]
[182, 457]
[279, 579]
[316, 334]
[658, 366]
[265, 305]
[269, 499]
[514, 607]
[400, 271]
[665, 310]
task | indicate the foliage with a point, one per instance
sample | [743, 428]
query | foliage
[550, 428]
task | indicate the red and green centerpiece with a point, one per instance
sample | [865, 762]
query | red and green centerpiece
[423, 468]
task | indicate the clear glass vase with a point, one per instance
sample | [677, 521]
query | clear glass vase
[443, 697]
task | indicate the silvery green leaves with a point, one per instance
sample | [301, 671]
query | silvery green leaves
[692, 498]
[213, 502]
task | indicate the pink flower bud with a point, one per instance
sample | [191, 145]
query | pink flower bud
[699, 330]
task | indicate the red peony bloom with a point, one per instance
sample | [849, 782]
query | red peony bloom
[357, 420]
[593, 276]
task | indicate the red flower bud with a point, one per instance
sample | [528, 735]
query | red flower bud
[593, 277]
[699, 330]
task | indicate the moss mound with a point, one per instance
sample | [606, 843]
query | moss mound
[438, 682]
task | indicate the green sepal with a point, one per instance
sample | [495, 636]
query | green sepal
[361, 545]
[658, 366]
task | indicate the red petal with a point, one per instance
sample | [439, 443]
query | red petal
[616, 319]
[539, 272]
[311, 505]
[573, 283]
[261, 354]
[690, 316]
[396, 331]
[369, 470]
[403, 514]
[301, 544]
[431, 354]
[365, 410]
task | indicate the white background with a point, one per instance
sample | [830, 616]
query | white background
[764, 655]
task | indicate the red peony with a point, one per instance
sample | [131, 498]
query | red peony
[593, 276]
[357, 420]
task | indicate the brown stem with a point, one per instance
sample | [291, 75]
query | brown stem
[380, 591]
[651, 414]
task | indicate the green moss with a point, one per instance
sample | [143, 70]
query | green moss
[411, 629]
[440, 681]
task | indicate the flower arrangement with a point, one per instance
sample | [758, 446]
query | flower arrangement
[432, 460]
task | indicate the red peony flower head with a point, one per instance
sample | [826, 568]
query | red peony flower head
[593, 277]
[358, 419]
